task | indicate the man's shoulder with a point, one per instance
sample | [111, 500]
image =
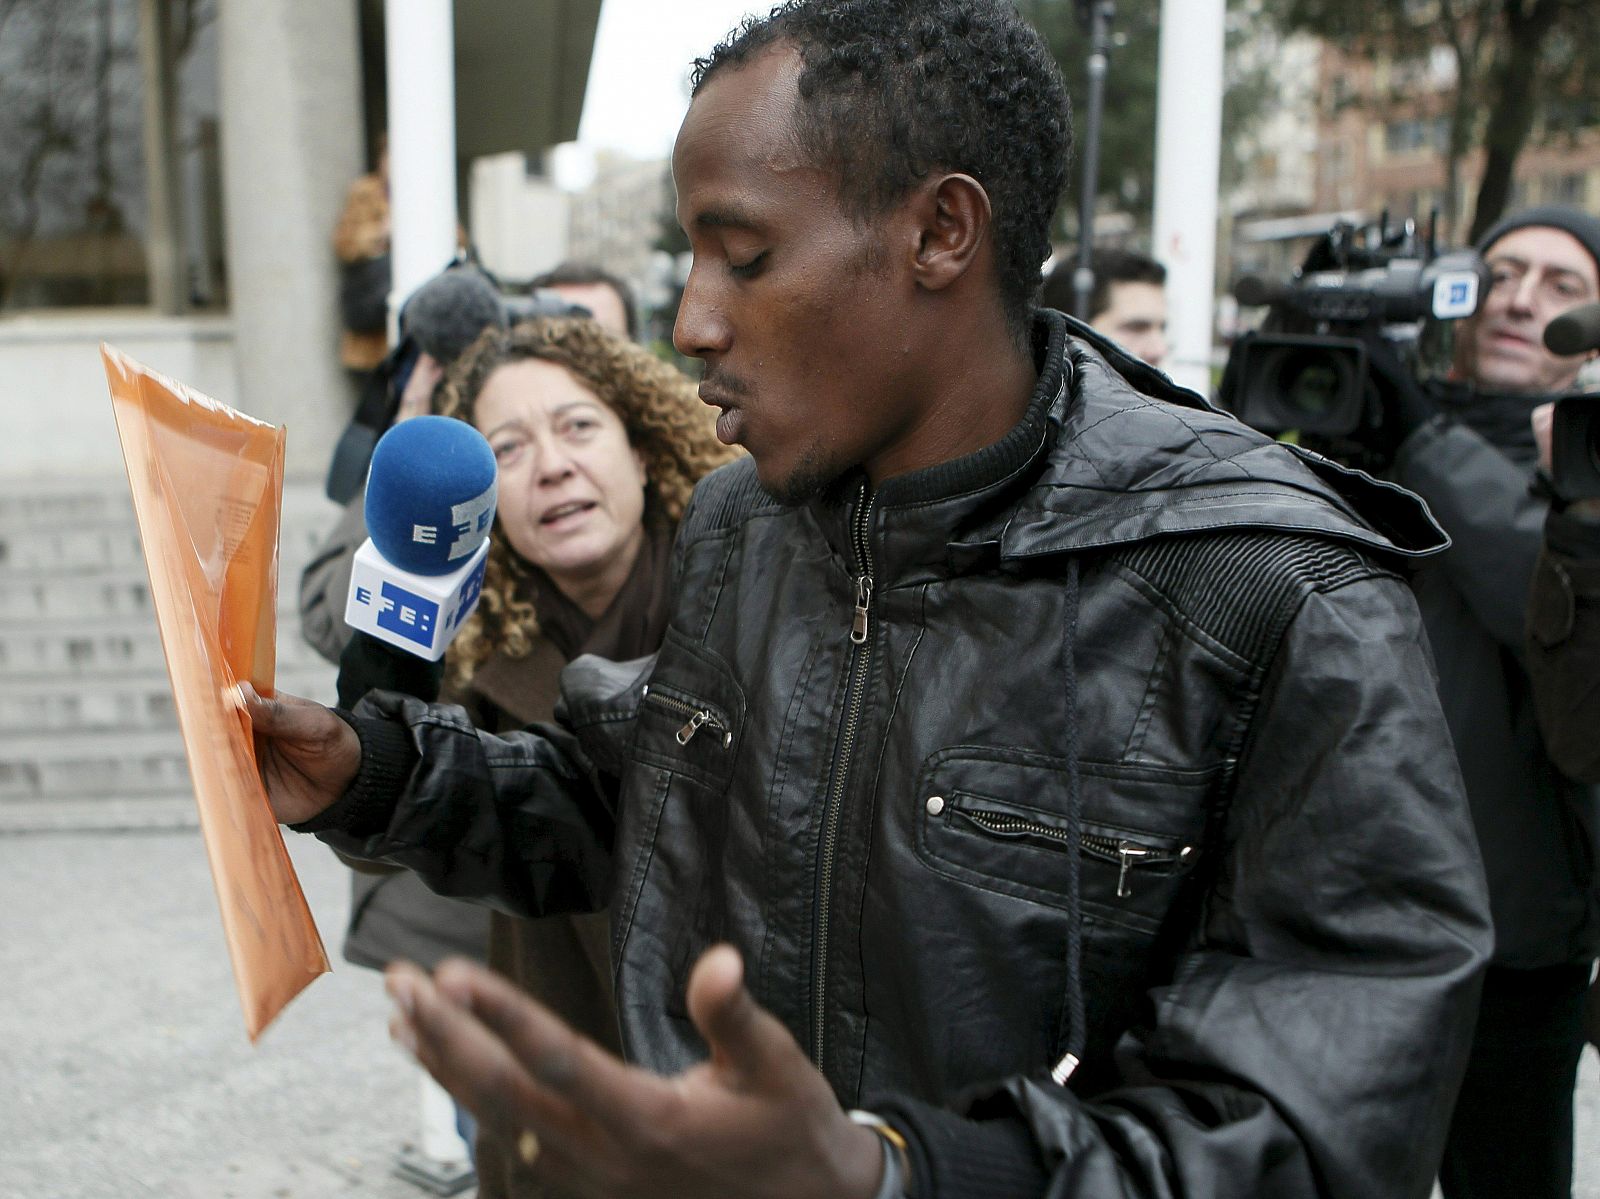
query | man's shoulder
[1240, 587]
[1135, 462]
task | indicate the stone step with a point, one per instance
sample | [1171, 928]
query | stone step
[98, 813]
[80, 706]
[115, 551]
[63, 599]
[116, 762]
[113, 646]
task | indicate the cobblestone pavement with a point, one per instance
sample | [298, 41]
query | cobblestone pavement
[125, 1069]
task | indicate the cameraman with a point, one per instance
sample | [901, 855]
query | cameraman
[1466, 446]
[1563, 646]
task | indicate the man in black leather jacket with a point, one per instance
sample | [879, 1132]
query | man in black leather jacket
[1061, 758]
[1470, 454]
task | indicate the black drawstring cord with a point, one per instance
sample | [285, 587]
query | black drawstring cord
[1076, 1018]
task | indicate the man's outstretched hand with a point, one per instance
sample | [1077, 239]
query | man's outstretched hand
[307, 755]
[756, 1120]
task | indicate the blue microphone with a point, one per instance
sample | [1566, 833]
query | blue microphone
[430, 502]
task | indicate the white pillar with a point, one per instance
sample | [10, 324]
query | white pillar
[420, 53]
[165, 248]
[1188, 145]
[291, 144]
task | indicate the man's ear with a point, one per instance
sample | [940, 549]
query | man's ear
[953, 217]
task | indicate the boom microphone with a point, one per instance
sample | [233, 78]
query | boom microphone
[1574, 332]
[430, 502]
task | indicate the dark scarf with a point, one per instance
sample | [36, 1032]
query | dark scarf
[1500, 418]
[526, 688]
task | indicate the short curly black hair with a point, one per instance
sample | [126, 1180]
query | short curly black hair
[893, 90]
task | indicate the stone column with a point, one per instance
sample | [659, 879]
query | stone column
[291, 145]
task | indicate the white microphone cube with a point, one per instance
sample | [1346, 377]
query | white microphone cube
[417, 613]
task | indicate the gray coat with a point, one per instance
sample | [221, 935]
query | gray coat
[1536, 827]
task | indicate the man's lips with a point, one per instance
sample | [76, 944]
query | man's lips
[1509, 337]
[731, 419]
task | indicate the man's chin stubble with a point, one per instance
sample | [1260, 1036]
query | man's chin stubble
[811, 476]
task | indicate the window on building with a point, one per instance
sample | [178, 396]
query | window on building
[84, 221]
[1412, 135]
[1567, 189]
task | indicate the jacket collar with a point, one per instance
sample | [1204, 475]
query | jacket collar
[1139, 457]
[1111, 452]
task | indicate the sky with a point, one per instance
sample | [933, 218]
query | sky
[638, 78]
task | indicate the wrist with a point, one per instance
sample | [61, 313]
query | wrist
[891, 1173]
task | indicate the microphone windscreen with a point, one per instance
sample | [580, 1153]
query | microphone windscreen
[1254, 290]
[1574, 332]
[430, 494]
[445, 315]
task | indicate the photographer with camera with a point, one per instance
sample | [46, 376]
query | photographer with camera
[1563, 646]
[1466, 446]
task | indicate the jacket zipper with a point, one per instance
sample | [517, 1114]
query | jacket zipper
[698, 717]
[860, 655]
[1127, 854]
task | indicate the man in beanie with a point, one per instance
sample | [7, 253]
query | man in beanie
[1469, 451]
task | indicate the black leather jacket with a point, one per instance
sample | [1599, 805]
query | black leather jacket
[877, 730]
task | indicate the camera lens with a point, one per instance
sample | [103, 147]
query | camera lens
[1309, 382]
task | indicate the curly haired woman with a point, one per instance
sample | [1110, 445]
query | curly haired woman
[598, 445]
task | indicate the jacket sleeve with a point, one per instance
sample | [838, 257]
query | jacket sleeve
[325, 582]
[523, 822]
[1563, 653]
[1313, 1034]
[1481, 498]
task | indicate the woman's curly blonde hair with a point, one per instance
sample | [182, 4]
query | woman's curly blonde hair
[666, 423]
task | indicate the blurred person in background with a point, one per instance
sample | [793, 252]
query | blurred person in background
[1466, 446]
[598, 445]
[608, 298]
[361, 244]
[1128, 302]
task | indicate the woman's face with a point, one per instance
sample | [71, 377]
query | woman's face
[571, 496]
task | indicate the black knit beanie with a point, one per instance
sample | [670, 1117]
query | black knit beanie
[1569, 220]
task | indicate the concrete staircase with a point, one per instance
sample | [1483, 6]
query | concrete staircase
[88, 736]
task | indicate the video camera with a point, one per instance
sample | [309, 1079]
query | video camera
[1307, 369]
[1575, 430]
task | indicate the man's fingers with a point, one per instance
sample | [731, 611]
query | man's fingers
[746, 1040]
[568, 1065]
[475, 1066]
[1543, 418]
[287, 716]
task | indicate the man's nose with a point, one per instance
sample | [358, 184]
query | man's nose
[701, 329]
[1523, 294]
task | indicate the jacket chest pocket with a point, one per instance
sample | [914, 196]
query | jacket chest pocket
[676, 829]
[998, 821]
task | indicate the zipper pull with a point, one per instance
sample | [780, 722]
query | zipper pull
[687, 732]
[858, 632]
[1128, 852]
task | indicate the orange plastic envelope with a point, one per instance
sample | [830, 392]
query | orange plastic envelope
[207, 491]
